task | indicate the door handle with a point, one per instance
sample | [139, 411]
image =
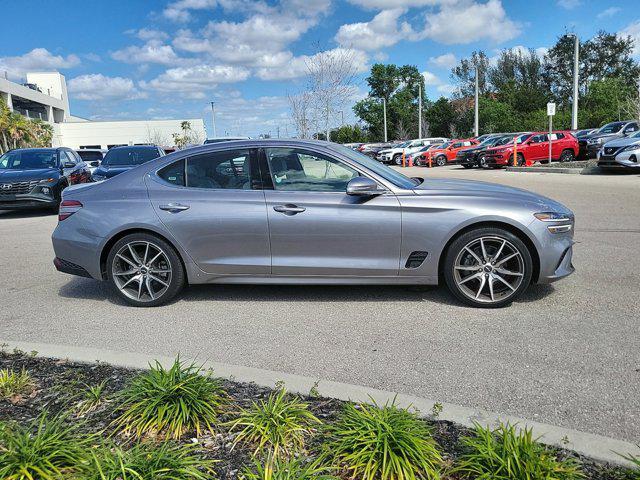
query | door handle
[174, 207]
[289, 209]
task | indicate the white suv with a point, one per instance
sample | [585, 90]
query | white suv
[394, 154]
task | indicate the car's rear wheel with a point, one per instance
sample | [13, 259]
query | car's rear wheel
[520, 161]
[441, 161]
[145, 270]
[482, 161]
[397, 159]
[487, 267]
[567, 156]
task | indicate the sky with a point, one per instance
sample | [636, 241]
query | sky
[158, 59]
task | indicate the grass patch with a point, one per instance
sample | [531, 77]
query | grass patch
[277, 425]
[169, 402]
[288, 469]
[636, 461]
[47, 449]
[382, 443]
[15, 384]
[149, 462]
[92, 398]
[509, 453]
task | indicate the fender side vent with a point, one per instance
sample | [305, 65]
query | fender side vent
[416, 259]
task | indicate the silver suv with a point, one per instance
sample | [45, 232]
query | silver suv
[621, 153]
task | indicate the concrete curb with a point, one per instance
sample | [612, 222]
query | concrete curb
[573, 171]
[595, 446]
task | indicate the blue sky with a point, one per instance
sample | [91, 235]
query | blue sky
[128, 59]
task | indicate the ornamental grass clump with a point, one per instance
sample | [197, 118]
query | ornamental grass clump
[47, 449]
[382, 443]
[148, 461]
[169, 402]
[92, 398]
[15, 384]
[275, 468]
[636, 461]
[276, 426]
[509, 453]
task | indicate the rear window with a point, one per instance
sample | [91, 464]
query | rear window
[130, 156]
[89, 156]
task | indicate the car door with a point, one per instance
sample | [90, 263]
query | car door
[316, 229]
[214, 207]
[536, 147]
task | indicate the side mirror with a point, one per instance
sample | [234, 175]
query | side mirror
[68, 164]
[363, 186]
[95, 163]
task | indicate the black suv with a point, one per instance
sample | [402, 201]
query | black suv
[474, 156]
[590, 144]
[35, 177]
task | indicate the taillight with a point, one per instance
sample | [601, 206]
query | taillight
[68, 208]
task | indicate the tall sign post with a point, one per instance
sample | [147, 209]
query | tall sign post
[551, 111]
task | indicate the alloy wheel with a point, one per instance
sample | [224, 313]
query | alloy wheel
[141, 270]
[489, 269]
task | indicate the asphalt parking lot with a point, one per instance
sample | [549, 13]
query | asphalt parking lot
[566, 354]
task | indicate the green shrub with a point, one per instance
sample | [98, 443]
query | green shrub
[636, 461]
[169, 402]
[12, 383]
[509, 453]
[91, 398]
[48, 449]
[291, 469]
[277, 425]
[148, 462]
[387, 443]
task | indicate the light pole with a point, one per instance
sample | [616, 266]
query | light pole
[420, 110]
[384, 116]
[476, 121]
[576, 77]
[213, 118]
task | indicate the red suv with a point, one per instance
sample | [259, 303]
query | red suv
[534, 147]
[446, 153]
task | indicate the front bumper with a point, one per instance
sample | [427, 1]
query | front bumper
[27, 201]
[555, 251]
[466, 159]
[592, 149]
[622, 160]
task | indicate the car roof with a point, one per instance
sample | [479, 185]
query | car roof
[44, 149]
[136, 147]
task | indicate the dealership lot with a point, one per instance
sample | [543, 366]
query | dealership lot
[567, 354]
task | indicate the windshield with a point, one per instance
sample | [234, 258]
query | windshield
[503, 141]
[28, 160]
[611, 127]
[130, 156]
[489, 141]
[378, 168]
[635, 135]
[90, 155]
[445, 145]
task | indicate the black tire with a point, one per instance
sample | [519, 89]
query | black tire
[397, 159]
[520, 161]
[441, 160]
[567, 155]
[177, 277]
[482, 162]
[457, 248]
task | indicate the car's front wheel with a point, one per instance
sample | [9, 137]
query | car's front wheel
[488, 267]
[145, 270]
[441, 161]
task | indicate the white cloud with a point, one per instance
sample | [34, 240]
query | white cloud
[385, 4]
[35, 60]
[180, 11]
[446, 89]
[470, 21]
[99, 87]
[447, 61]
[609, 12]
[430, 79]
[297, 66]
[633, 30]
[191, 82]
[569, 4]
[147, 34]
[382, 31]
[154, 51]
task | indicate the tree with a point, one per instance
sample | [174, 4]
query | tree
[300, 106]
[187, 137]
[605, 101]
[349, 134]
[464, 75]
[440, 116]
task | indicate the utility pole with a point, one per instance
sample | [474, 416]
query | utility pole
[576, 73]
[213, 118]
[476, 123]
[384, 113]
[342, 117]
[419, 110]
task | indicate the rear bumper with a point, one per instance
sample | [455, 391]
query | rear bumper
[65, 266]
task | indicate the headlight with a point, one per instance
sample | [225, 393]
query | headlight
[98, 178]
[631, 147]
[552, 217]
[47, 180]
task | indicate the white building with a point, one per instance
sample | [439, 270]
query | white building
[44, 96]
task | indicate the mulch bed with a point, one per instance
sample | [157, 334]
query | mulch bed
[60, 383]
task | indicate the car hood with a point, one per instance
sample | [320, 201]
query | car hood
[107, 171]
[623, 142]
[28, 175]
[472, 188]
[595, 136]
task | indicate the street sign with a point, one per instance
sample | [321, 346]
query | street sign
[551, 109]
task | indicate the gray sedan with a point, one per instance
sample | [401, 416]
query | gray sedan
[306, 212]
